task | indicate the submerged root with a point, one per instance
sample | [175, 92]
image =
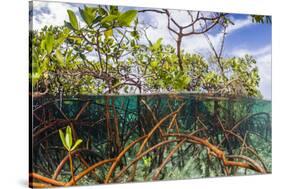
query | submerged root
[162, 142]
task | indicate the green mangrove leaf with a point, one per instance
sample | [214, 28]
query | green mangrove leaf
[88, 15]
[49, 43]
[35, 78]
[113, 10]
[146, 161]
[73, 19]
[68, 138]
[79, 141]
[68, 25]
[108, 33]
[135, 34]
[154, 64]
[43, 45]
[127, 17]
[156, 45]
[59, 57]
[102, 11]
[62, 139]
[109, 18]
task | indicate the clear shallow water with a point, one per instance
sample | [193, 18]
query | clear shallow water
[108, 124]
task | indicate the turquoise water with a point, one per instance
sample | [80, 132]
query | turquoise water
[107, 124]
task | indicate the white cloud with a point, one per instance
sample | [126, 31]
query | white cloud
[217, 38]
[238, 24]
[50, 13]
[158, 29]
[197, 43]
[256, 53]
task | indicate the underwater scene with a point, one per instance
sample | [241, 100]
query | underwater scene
[148, 137]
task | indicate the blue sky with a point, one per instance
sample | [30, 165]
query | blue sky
[243, 38]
